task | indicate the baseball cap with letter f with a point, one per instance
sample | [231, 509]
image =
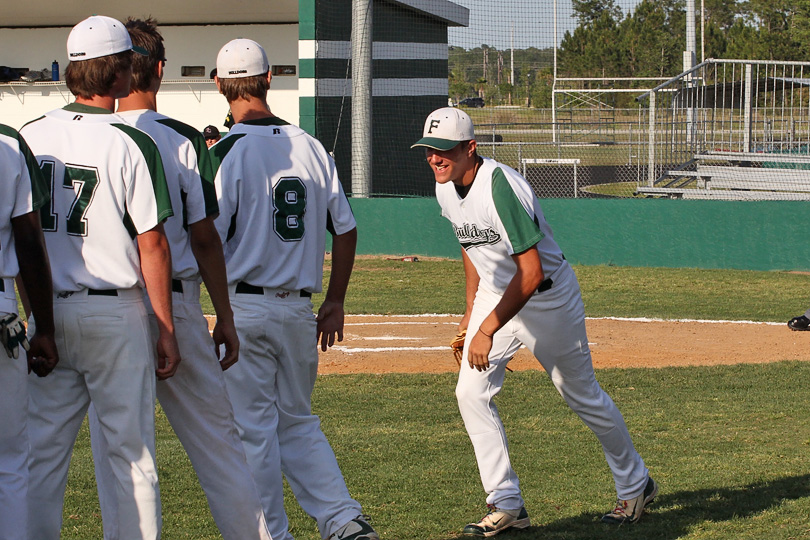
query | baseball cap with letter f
[445, 128]
[98, 36]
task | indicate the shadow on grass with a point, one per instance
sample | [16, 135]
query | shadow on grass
[673, 515]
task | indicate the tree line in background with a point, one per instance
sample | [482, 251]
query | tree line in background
[647, 42]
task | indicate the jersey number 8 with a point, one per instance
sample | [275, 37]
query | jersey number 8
[289, 207]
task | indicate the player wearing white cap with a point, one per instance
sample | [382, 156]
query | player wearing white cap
[22, 249]
[195, 400]
[520, 290]
[104, 226]
[278, 194]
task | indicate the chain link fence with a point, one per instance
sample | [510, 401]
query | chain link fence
[582, 159]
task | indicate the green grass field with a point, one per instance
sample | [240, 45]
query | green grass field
[729, 445]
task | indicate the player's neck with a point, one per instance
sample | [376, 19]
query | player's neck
[136, 101]
[252, 109]
[102, 102]
[468, 177]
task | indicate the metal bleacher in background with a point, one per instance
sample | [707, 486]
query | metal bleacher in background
[731, 130]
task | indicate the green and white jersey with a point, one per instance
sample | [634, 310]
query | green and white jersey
[499, 217]
[190, 179]
[278, 194]
[107, 186]
[22, 190]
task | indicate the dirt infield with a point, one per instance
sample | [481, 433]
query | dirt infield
[419, 344]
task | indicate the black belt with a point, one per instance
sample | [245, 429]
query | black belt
[247, 288]
[102, 292]
[177, 286]
[2, 285]
[546, 285]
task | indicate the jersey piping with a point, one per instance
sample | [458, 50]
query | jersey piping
[203, 162]
[522, 230]
[155, 165]
[221, 149]
[40, 194]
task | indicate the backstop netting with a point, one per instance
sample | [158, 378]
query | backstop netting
[496, 60]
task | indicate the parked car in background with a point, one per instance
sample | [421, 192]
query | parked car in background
[476, 102]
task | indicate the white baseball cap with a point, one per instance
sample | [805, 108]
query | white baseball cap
[241, 58]
[98, 36]
[445, 128]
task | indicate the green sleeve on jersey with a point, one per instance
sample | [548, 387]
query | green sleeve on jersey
[221, 149]
[40, 192]
[150, 153]
[521, 228]
[203, 162]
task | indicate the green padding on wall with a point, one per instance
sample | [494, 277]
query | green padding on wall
[676, 234]
[757, 235]
[306, 68]
[306, 19]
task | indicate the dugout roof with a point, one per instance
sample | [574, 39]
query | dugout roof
[66, 13]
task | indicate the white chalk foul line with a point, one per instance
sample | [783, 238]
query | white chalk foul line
[391, 338]
[628, 319]
[399, 323]
[353, 350]
[704, 321]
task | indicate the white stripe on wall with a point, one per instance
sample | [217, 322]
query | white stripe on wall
[384, 87]
[306, 48]
[306, 87]
[383, 50]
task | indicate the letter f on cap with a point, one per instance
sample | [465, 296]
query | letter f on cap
[434, 123]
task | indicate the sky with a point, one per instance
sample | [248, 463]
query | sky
[492, 21]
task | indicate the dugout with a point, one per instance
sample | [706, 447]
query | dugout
[309, 47]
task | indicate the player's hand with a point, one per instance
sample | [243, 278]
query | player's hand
[225, 334]
[478, 351]
[42, 354]
[330, 323]
[168, 356]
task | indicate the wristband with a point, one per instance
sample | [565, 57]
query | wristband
[488, 335]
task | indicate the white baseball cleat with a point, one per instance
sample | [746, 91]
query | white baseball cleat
[498, 520]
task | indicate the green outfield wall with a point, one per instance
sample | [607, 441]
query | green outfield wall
[767, 235]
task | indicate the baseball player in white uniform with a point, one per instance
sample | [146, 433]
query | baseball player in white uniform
[278, 194]
[22, 249]
[520, 290]
[104, 226]
[195, 400]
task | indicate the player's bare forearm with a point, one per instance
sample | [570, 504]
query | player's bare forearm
[35, 270]
[156, 267]
[330, 315]
[524, 283]
[344, 247]
[207, 249]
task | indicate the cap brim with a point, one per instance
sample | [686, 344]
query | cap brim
[140, 50]
[436, 144]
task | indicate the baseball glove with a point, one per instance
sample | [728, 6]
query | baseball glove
[12, 335]
[457, 345]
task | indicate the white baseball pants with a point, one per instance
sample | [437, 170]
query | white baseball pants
[13, 433]
[552, 326]
[197, 406]
[271, 388]
[105, 357]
